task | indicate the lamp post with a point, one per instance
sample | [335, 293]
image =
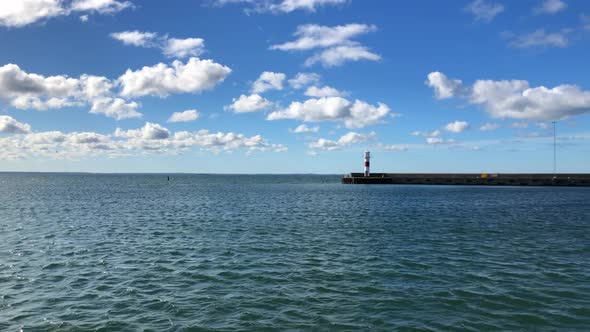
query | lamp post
[554, 150]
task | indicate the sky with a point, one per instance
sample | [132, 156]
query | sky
[294, 86]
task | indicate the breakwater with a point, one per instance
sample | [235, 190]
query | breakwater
[482, 179]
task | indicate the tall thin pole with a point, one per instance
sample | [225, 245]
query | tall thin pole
[554, 150]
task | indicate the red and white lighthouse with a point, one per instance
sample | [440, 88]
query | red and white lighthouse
[367, 163]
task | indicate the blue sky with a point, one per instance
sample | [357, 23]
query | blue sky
[294, 86]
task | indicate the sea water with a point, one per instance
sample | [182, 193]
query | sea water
[273, 252]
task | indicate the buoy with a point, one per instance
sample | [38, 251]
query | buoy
[367, 163]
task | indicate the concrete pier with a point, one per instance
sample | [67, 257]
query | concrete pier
[474, 179]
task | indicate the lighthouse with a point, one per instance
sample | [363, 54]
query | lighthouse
[367, 163]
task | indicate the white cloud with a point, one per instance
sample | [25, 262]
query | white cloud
[251, 103]
[47, 137]
[550, 7]
[116, 108]
[489, 127]
[287, 6]
[540, 38]
[18, 13]
[438, 140]
[151, 138]
[101, 6]
[150, 131]
[357, 114]
[302, 80]
[41, 104]
[15, 83]
[316, 36]
[282, 6]
[24, 12]
[394, 147]
[23, 90]
[87, 138]
[186, 116]
[326, 91]
[484, 11]
[225, 141]
[349, 138]
[171, 47]
[515, 99]
[268, 81]
[181, 48]
[304, 129]
[336, 43]
[457, 127]
[95, 86]
[434, 133]
[136, 38]
[161, 80]
[444, 87]
[8, 125]
[84, 18]
[338, 55]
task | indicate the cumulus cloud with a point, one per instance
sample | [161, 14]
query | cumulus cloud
[444, 87]
[301, 80]
[349, 138]
[100, 6]
[24, 12]
[171, 47]
[304, 129]
[186, 116]
[251, 103]
[287, 6]
[325, 91]
[357, 114]
[457, 127]
[150, 131]
[311, 36]
[136, 38]
[336, 42]
[282, 6]
[515, 99]
[8, 125]
[181, 48]
[18, 14]
[489, 127]
[484, 11]
[434, 133]
[116, 108]
[161, 79]
[550, 7]
[15, 83]
[268, 81]
[540, 38]
[151, 138]
[338, 55]
[25, 90]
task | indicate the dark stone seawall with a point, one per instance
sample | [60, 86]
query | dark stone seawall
[475, 179]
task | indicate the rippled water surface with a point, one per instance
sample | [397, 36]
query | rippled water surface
[205, 252]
